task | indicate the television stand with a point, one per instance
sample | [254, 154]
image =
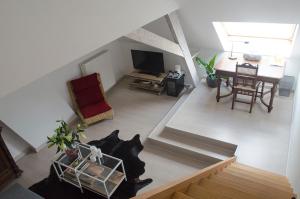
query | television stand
[155, 84]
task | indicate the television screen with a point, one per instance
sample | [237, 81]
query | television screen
[148, 62]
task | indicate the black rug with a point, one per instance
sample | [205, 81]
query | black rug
[52, 188]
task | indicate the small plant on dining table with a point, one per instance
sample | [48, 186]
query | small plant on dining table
[65, 137]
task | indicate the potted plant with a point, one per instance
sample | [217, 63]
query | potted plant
[65, 138]
[209, 67]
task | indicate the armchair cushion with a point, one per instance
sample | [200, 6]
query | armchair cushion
[84, 82]
[86, 90]
[88, 96]
[94, 109]
[89, 99]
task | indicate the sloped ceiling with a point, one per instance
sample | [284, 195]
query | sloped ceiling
[197, 17]
[38, 37]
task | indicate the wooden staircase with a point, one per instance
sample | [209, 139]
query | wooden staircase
[226, 180]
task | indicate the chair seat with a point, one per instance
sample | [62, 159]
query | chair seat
[94, 109]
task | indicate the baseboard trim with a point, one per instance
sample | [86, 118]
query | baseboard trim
[73, 120]
[163, 122]
[22, 154]
[40, 147]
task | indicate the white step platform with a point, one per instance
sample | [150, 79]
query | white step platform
[199, 125]
[204, 148]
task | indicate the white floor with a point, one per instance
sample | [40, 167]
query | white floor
[136, 111]
[262, 138]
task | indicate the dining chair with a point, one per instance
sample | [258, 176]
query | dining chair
[245, 83]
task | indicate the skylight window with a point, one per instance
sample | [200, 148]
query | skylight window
[257, 38]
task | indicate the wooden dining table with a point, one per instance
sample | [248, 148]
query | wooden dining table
[270, 70]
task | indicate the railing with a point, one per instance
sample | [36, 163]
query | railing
[166, 191]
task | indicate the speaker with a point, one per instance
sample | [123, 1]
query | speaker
[175, 83]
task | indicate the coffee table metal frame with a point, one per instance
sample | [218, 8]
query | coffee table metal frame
[84, 153]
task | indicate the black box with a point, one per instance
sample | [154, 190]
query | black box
[175, 84]
[286, 85]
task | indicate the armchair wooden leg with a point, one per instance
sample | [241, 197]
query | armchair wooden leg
[256, 93]
[219, 81]
[262, 87]
[233, 99]
[227, 82]
[252, 102]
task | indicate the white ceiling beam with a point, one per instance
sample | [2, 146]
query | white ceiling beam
[144, 36]
[179, 37]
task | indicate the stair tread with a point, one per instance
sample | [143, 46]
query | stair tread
[203, 150]
[180, 195]
[262, 182]
[250, 182]
[254, 170]
[199, 192]
[250, 187]
[244, 173]
[226, 191]
[257, 193]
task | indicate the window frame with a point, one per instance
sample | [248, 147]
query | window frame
[226, 39]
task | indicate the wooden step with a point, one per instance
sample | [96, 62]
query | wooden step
[243, 173]
[199, 192]
[257, 184]
[180, 195]
[257, 171]
[250, 187]
[226, 191]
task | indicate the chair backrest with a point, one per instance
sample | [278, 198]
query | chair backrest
[246, 75]
[86, 90]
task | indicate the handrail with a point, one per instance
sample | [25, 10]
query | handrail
[166, 191]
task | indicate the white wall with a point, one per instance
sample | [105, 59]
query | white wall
[38, 37]
[159, 27]
[293, 171]
[197, 17]
[170, 60]
[31, 111]
[15, 144]
[109, 63]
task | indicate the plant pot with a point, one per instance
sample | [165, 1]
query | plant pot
[71, 153]
[212, 83]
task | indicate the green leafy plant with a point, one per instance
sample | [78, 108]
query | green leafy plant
[65, 136]
[208, 66]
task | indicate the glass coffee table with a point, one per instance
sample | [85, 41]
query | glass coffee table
[102, 177]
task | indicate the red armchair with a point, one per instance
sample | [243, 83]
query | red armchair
[89, 100]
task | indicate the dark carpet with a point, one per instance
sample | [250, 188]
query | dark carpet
[52, 188]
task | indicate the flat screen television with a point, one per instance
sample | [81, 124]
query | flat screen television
[148, 62]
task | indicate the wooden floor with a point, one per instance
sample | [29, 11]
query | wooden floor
[135, 112]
